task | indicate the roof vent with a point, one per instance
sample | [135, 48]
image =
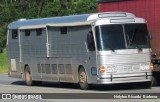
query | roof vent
[22, 19]
[116, 14]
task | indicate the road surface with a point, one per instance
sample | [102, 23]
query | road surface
[13, 85]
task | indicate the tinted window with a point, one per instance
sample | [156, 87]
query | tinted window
[137, 35]
[110, 37]
[63, 30]
[14, 34]
[39, 32]
[27, 32]
[122, 36]
[90, 41]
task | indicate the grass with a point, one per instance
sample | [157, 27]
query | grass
[3, 62]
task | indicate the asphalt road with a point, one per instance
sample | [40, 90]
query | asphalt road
[13, 85]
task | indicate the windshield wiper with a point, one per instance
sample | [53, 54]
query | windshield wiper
[109, 45]
[139, 48]
[131, 41]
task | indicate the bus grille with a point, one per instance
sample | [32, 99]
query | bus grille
[123, 59]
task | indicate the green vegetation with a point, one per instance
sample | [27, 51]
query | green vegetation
[12, 10]
[3, 62]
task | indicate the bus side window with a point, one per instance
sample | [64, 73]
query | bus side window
[90, 41]
[63, 30]
[14, 34]
[27, 32]
[38, 32]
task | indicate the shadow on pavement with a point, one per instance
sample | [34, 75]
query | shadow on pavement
[111, 87]
[120, 87]
[18, 83]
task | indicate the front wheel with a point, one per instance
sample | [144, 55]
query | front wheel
[83, 79]
[148, 85]
[154, 81]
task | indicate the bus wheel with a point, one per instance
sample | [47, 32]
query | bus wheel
[28, 78]
[83, 79]
[154, 81]
[148, 85]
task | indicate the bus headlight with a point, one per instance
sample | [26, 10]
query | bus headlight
[108, 69]
[145, 67]
[111, 69]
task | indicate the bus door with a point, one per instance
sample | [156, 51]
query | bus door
[52, 51]
[92, 52]
[58, 50]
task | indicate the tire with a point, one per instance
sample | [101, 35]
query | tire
[148, 85]
[83, 79]
[145, 84]
[154, 81]
[28, 78]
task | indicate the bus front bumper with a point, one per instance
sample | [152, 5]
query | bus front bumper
[124, 78]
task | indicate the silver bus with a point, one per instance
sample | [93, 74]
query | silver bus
[98, 48]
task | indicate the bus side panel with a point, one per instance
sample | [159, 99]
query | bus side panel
[13, 56]
[79, 49]
[33, 48]
[68, 50]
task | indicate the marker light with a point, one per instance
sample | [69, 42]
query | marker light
[151, 67]
[94, 71]
[144, 67]
[102, 69]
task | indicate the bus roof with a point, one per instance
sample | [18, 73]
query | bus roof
[66, 19]
[43, 21]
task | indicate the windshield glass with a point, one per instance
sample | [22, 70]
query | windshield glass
[137, 35]
[122, 36]
[110, 37]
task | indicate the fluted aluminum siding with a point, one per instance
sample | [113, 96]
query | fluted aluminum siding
[123, 59]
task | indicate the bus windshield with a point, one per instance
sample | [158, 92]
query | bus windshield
[122, 36]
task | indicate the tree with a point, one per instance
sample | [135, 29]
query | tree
[11, 10]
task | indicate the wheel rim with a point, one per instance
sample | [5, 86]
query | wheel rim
[82, 78]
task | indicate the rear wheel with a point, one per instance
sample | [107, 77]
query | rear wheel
[83, 79]
[28, 78]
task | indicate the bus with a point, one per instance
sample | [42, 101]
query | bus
[148, 9]
[98, 48]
